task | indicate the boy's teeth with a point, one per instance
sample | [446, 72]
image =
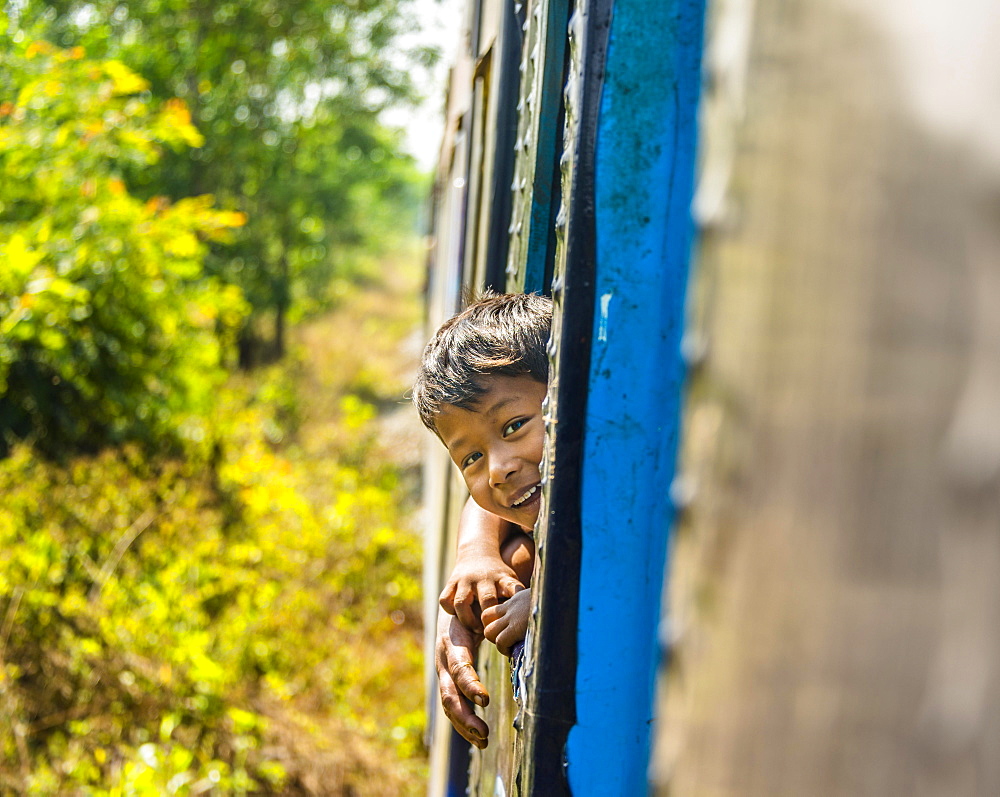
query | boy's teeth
[525, 497]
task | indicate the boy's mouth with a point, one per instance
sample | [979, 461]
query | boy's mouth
[527, 495]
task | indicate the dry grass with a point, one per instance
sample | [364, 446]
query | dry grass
[366, 349]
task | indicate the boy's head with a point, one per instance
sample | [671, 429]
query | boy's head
[498, 335]
[480, 389]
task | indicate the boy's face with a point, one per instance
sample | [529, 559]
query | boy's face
[497, 446]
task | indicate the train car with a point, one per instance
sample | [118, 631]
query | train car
[539, 91]
[769, 545]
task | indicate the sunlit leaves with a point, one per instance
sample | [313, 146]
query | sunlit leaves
[287, 97]
[165, 613]
[109, 328]
[165, 605]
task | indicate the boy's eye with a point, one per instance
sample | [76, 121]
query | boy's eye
[470, 459]
[513, 426]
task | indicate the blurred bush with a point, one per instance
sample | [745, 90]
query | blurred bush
[109, 329]
[186, 604]
[288, 100]
[157, 614]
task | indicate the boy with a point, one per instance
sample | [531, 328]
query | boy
[480, 389]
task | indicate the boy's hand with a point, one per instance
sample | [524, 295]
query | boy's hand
[483, 580]
[458, 682]
[507, 623]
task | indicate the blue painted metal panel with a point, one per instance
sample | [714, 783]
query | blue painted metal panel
[645, 162]
[544, 196]
[536, 176]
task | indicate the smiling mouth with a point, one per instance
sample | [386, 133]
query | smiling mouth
[526, 496]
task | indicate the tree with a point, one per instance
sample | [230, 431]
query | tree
[109, 327]
[288, 98]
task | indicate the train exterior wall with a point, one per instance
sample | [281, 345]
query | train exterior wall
[829, 621]
[603, 166]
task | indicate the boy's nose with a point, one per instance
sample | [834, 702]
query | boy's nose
[501, 470]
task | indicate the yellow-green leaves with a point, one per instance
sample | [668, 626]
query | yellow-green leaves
[19, 259]
[175, 623]
[109, 328]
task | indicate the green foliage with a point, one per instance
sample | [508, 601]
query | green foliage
[288, 98]
[189, 604]
[164, 624]
[109, 330]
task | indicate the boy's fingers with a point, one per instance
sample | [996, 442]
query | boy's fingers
[463, 595]
[509, 586]
[487, 595]
[464, 608]
[447, 599]
[464, 674]
[460, 713]
[491, 632]
[467, 616]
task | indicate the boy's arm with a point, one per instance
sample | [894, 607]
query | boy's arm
[479, 573]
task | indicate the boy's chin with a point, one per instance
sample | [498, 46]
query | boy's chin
[523, 518]
[526, 518]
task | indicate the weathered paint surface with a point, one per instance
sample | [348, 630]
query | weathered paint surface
[535, 192]
[644, 174]
[550, 649]
[535, 186]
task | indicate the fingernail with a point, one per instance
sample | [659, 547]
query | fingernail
[480, 701]
[475, 733]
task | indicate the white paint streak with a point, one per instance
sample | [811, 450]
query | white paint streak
[602, 329]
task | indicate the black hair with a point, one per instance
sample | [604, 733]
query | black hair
[497, 335]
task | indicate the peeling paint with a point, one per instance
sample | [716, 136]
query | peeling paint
[644, 172]
[602, 330]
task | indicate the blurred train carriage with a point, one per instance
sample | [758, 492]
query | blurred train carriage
[827, 172]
